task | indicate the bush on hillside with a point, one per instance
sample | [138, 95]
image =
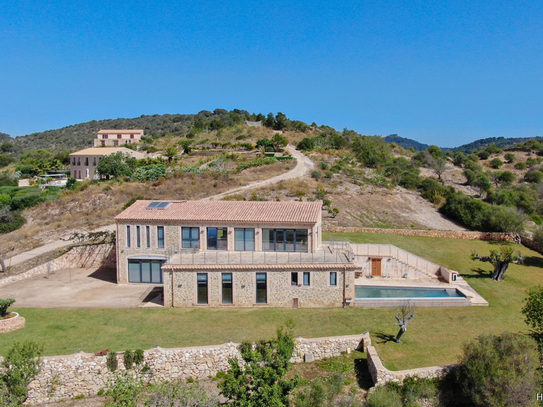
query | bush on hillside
[498, 370]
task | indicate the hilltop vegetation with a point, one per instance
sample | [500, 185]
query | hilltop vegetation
[490, 190]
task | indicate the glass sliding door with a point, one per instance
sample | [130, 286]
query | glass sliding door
[227, 297]
[202, 288]
[244, 239]
[261, 288]
[145, 271]
[284, 240]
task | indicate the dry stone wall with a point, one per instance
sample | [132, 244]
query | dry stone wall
[85, 374]
[78, 257]
[468, 235]
[381, 375]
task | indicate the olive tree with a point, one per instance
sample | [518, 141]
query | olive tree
[500, 260]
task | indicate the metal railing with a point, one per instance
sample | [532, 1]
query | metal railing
[326, 255]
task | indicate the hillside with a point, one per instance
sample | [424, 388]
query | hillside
[405, 142]
[500, 142]
[79, 136]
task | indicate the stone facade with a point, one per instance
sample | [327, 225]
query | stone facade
[280, 291]
[12, 324]
[85, 374]
[77, 257]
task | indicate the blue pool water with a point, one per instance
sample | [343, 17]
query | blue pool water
[362, 291]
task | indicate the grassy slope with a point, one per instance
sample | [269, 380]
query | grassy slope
[435, 336]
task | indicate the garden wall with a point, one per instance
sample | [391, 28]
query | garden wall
[78, 257]
[380, 375]
[85, 374]
[468, 235]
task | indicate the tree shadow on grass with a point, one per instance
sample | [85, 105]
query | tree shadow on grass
[533, 261]
[478, 273]
[384, 338]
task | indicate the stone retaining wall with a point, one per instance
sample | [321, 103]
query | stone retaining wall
[85, 374]
[78, 257]
[381, 375]
[468, 235]
[11, 324]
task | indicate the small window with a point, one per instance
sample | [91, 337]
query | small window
[73, 160]
[333, 278]
[160, 236]
[294, 278]
[94, 162]
[131, 136]
[87, 161]
[105, 136]
[138, 237]
[202, 288]
[148, 235]
[128, 236]
[307, 278]
[78, 161]
[119, 136]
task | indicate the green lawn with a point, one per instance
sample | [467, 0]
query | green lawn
[435, 336]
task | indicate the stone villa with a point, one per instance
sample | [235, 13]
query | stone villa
[244, 253]
[83, 163]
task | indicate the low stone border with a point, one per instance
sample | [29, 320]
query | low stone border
[12, 324]
[381, 375]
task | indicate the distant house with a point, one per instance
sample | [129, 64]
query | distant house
[83, 163]
[117, 138]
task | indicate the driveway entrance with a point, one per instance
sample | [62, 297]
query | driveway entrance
[79, 288]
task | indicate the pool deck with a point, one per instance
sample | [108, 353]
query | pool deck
[473, 297]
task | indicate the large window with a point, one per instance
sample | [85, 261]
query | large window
[190, 238]
[284, 240]
[227, 295]
[160, 237]
[333, 278]
[261, 288]
[145, 271]
[202, 288]
[244, 239]
[217, 239]
[307, 278]
[294, 278]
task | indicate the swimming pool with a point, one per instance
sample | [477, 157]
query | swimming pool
[381, 292]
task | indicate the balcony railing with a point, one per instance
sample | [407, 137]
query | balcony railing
[326, 255]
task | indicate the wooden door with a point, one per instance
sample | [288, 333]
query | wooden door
[376, 267]
[295, 303]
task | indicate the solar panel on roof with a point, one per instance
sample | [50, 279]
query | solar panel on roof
[158, 205]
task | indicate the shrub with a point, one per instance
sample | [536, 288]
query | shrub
[9, 220]
[111, 361]
[496, 163]
[149, 173]
[4, 305]
[316, 175]
[509, 157]
[26, 201]
[498, 371]
[533, 176]
[384, 396]
[123, 389]
[307, 144]
[483, 155]
[176, 395]
[256, 163]
[323, 165]
[520, 166]
[20, 366]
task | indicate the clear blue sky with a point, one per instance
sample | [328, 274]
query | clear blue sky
[440, 72]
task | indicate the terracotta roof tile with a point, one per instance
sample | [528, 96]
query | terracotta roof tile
[303, 266]
[120, 131]
[226, 211]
